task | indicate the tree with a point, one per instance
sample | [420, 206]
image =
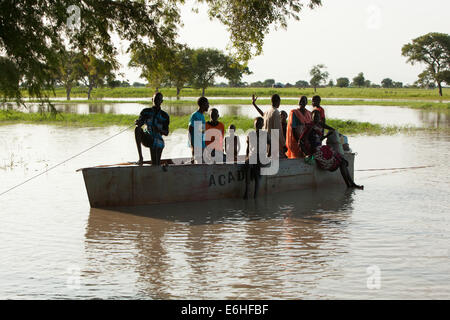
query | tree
[331, 83]
[302, 84]
[425, 80]
[432, 49]
[180, 68]
[69, 70]
[153, 62]
[367, 83]
[114, 83]
[233, 72]
[359, 80]
[387, 83]
[9, 79]
[257, 84]
[342, 82]
[318, 76]
[249, 21]
[33, 33]
[268, 83]
[96, 72]
[207, 64]
[398, 84]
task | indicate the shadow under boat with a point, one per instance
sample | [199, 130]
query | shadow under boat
[301, 203]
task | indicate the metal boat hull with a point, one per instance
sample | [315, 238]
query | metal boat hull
[131, 185]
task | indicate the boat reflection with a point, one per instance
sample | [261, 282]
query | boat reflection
[274, 247]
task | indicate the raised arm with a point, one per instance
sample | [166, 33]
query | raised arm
[254, 98]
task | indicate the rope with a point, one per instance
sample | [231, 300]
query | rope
[109, 138]
[68, 159]
[391, 169]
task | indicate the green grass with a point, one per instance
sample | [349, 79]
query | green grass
[442, 106]
[176, 122]
[373, 93]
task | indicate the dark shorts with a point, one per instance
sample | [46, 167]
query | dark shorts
[147, 140]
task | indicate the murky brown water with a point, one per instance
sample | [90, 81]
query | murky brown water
[300, 245]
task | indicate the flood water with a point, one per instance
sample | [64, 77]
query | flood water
[391, 116]
[389, 241]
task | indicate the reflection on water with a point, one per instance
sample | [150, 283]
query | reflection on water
[383, 115]
[225, 248]
[308, 244]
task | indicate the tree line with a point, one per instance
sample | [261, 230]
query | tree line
[177, 67]
[321, 80]
[181, 66]
[432, 50]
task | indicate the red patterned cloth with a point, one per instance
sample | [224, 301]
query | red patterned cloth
[327, 159]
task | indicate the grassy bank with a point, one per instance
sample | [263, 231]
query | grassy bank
[239, 101]
[372, 93]
[177, 122]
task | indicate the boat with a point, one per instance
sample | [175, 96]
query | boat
[177, 180]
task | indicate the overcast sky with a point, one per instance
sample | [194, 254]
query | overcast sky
[348, 36]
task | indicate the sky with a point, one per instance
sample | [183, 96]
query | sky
[348, 36]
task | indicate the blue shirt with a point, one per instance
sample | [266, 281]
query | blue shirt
[156, 122]
[198, 117]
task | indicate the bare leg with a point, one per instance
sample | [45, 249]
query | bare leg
[256, 184]
[138, 132]
[347, 178]
[193, 158]
[247, 179]
[156, 156]
[343, 170]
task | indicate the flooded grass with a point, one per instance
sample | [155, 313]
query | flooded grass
[348, 127]
[377, 93]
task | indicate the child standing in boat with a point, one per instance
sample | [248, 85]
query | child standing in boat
[214, 133]
[197, 130]
[252, 158]
[232, 144]
[317, 107]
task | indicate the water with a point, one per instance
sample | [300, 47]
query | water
[392, 116]
[299, 245]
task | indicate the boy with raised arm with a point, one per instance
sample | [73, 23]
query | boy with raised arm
[272, 121]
